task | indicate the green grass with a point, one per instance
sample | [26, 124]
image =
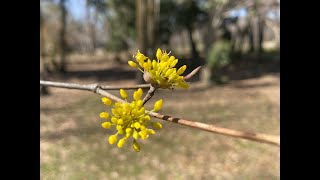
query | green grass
[73, 144]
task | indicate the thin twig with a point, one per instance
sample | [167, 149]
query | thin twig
[90, 86]
[142, 86]
[265, 138]
[96, 88]
[150, 93]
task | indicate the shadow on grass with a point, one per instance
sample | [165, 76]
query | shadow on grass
[108, 74]
[79, 132]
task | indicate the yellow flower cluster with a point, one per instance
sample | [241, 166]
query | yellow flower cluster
[129, 119]
[161, 72]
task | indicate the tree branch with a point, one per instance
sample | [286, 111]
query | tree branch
[96, 88]
[91, 87]
[149, 95]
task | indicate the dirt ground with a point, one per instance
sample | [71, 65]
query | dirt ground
[73, 144]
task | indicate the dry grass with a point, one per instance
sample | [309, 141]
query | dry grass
[73, 144]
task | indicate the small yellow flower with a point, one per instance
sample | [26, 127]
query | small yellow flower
[112, 139]
[123, 94]
[130, 119]
[136, 146]
[106, 101]
[104, 115]
[157, 125]
[161, 72]
[132, 64]
[158, 105]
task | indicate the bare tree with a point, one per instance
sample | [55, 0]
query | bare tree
[43, 69]
[62, 36]
[91, 25]
[147, 14]
[141, 31]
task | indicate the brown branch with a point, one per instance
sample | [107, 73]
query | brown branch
[259, 137]
[265, 138]
[90, 87]
[150, 93]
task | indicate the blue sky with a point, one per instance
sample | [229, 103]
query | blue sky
[77, 9]
[239, 12]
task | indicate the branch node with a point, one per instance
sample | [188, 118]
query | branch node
[150, 93]
[96, 87]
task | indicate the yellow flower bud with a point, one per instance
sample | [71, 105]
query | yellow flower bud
[149, 64]
[112, 139]
[171, 59]
[104, 115]
[158, 105]
[135, 134]
[128, 130]
[137, 125]
[134, 112]
[140, 91]
[164, 57]
[181, 70]
[133, 104]
[132, 64]
[106, 101]
[159, 54]
[141, 111]
[121, 142]
[151, 131]
[139, 103]
[123, 94]
[154, 65]
[173, 76]
[121, 131]
[145, 66]
[128, 135]
[169, 72]
[140, 57]
[120, 121]
[157, 125]
[136, 146]
[118, 127]
[118, 104]
[142, 127]
[147, 118]
[106, 125]
[143, 134]
[174, 63]
[163, 65]
[114, 120]
[183, 84]
[137, 94]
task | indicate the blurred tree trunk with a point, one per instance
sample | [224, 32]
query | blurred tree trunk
[91, 29]
[141, 22]
[195, 54]
[255, 33]
[210, 37]
[257, 24]
[43, 69]
[261, 31]
[43, 73]
[150, 27]
[62, 34]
